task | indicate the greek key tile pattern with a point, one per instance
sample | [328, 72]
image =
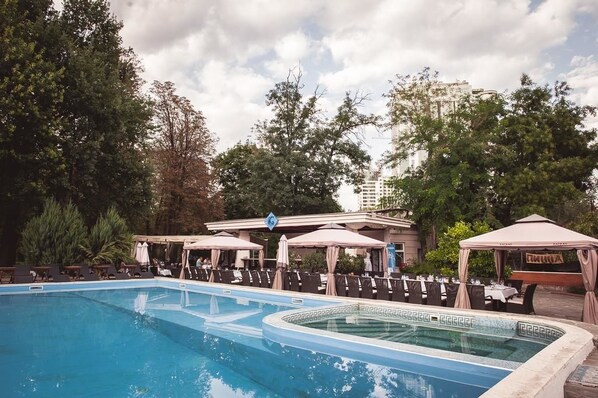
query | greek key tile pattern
[456, 320]
[537, 331]
[319, 313]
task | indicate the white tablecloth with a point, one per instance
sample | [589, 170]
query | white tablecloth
[502, 293]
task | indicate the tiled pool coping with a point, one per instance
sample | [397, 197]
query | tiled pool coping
[542, 376]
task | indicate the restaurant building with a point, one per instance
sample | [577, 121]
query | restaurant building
[375, 224]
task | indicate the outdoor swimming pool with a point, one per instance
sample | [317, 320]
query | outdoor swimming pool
[156, 339]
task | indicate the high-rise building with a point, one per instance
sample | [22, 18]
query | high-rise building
[372, 190]
[445, 99]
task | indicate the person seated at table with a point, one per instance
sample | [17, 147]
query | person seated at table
[199, 262]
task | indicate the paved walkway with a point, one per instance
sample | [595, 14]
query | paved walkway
[556, 303]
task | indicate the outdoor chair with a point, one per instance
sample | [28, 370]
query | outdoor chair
[527, 307]
[255, 278]
[195, 273]
[187, 272]
[56, 276]
[410, 276]
[217, 275]
[395, 274]
[310, 283]
[271, 275]
[137, 272]
[367, 290]
[294, 280]
[340, 281]
[415, 292]
[382, 289]
[245, 278]
[477, 297]
[451, 293]
[264, 280]
[87, 275]
[517, 284]
[113, 274]
[203, 274]
[398, 290]
[227, 276]
[433, 293]
[22, 274]
[353, 283]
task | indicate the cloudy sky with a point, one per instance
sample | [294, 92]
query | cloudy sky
[224, 55]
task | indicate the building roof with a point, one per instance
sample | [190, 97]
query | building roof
[306, 223]
[164, 239]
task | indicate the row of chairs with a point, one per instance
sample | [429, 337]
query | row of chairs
[55, 273]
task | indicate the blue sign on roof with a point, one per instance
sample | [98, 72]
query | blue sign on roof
[271, 221]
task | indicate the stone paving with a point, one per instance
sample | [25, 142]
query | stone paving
[554, 302]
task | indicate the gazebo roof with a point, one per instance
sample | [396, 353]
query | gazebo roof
[531, 233]
[222, 241]
[334, 235]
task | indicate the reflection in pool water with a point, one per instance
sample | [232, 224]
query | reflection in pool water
[158, 342]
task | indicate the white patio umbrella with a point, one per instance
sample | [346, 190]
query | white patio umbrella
[333, 237]
[282, 262]
[143, 255]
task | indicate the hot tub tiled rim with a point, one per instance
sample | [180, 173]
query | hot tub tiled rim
[543, 375]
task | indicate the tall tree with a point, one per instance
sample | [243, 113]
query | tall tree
[31, 92]
[546, 154]
[234, 169]
[454, 181]
[182, 151]
[73, 119]
[303, 156]
[105, 117]
[494, 159]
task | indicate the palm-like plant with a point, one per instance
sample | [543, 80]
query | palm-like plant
[109, 240]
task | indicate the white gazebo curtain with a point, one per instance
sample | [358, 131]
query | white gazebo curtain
[462, 300]
[215, 257]
[589, 271]
[331, 258]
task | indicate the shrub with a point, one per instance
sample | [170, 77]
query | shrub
[446, 256]
[54, 237]
[314, 262]
[109, 240]
[348, 264]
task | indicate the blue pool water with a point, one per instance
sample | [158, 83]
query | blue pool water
[487, 343]
[157, 342]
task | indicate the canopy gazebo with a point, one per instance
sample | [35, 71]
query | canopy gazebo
[534, 233]
[333, 237]
[220, 241]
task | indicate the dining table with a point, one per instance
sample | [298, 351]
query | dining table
[500, 295]
[42, 272]
[74, 271]
[101, 270]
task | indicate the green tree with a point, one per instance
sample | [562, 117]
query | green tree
[545, 155]
[109, 240]
[105, 117]
[494, 159]
[303, 157]
[454, 182]
[446, 256]
[31, 92]
[56, 236]
[182, 151]
[234, 169]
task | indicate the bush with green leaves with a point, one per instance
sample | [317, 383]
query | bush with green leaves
[314, 262]
[348, 264]
[55, 236]
[109, 240]
[446, 256]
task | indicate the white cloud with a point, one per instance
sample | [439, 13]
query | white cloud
[225, 55]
